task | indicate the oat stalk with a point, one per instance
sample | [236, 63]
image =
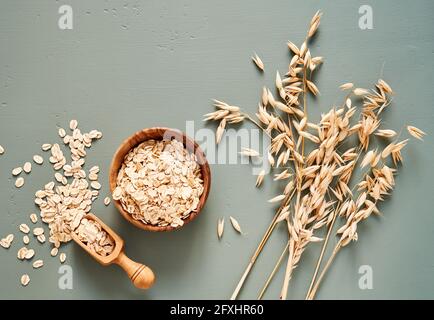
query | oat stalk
[317, 182]
[273, 272]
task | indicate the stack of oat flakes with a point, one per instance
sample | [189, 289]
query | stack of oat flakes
[62, 202]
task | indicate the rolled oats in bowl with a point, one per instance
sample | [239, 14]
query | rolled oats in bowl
[159, 183]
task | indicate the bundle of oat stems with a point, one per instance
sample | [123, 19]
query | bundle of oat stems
[318, 160]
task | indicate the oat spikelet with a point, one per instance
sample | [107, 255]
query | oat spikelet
[314, 23]
[224, 106]
[281, 176]
[312, 87]
[416, 132]
[277, 198]
[386, 133]
[360, 92]
[270, 159]
[293, 48]
[303, 49]
[283, 214]
[235, 224]
[220, 130]
[258, 62]
[347, 86]
[220, 227]
[249, 152]
[384, 86]
[264, 97]
[388, 150]
[278, 81]
[260, 178]
[369, 157]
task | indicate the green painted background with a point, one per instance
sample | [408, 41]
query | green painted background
[127, 65]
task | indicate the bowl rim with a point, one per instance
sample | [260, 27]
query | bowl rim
[160, 132]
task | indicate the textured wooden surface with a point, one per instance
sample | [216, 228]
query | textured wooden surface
[129, 65]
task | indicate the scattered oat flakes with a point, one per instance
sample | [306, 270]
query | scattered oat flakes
[93, 176]
[21, 254]
[46, 147]
[16, 171]
[94, 169]
[38, 159]
[25, 279]
[107, 201]
[4, 244]
[24, 228]
[57, 158]
[73, 208]
[25, 253]
[2, 150]
[63, 206]
[62, 132]
[27, 167]
[29, 254]
[19, 182]
[54, 252]
[26, 239]
[33, 217]
[59, 177]
[38, 231]
[95, 185]
[7, 241]
[41, 238]
[73, 124]
[62, 257]
[38, 264]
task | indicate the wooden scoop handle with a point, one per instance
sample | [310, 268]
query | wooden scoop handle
[141, 276]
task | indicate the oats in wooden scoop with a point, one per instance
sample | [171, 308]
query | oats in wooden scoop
[96, 239]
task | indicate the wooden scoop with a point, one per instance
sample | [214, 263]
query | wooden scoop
[141, 276]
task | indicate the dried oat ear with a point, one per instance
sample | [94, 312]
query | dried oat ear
[319, 188]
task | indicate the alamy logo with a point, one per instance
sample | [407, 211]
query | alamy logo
[366, 20]
[228, 151]
[66, 279]
[65, 21]
[366, 281]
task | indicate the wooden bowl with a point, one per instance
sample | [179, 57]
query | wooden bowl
[159, 133]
